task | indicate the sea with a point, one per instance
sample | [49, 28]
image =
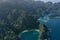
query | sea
[54, 25]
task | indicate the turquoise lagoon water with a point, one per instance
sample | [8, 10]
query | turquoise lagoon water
[30, 35]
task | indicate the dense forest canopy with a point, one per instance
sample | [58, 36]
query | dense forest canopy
[19, 15]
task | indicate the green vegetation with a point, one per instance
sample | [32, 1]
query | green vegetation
[16, 16]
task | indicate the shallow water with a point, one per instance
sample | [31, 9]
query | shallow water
[30, 35]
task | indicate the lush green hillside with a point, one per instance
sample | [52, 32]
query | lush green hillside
[16, 16]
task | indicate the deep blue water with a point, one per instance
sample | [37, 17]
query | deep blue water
[54, 24]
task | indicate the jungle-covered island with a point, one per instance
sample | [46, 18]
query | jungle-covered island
[19, 15]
